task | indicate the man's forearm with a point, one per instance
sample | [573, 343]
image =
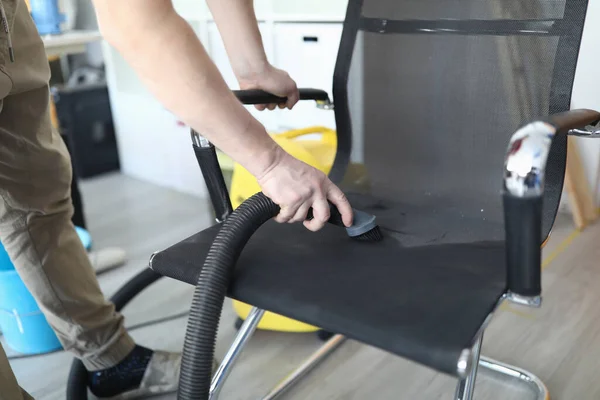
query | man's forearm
[238, 27]
[169, 58]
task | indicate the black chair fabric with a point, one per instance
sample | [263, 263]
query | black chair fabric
[438, 87]
[427, 95]
[423, 301]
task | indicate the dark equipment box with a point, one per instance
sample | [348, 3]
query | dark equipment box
[85, 120]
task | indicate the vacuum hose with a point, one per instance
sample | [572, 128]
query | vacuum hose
[211, 289]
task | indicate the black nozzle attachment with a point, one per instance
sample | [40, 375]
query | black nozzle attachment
[362, 222]
[523, 226]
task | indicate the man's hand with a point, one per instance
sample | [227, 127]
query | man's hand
[296, 186]
[292, 184]
[272, 80]
[238, 28]
[144, 32]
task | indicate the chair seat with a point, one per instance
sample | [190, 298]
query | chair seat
[424, 302]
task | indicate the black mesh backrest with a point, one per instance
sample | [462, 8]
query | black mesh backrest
[430, 92]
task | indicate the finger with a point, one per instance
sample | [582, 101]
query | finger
[282, 105]
[321, 215]
[285, 214]
[338, 198]
[271, 106]
[293, 98]
[300, 213]
[260, 107]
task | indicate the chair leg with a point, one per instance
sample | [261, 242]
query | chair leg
[466, 386]
[464, 390]
[521, 375]
[243, 336]
[310, 363]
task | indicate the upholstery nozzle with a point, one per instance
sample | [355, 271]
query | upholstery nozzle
[363, 225]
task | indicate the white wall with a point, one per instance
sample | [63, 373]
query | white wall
[586, 91]
[155, 148]
[86, 19]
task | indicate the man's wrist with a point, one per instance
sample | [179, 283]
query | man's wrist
[249, 72]
[265, 153]
[266, 160]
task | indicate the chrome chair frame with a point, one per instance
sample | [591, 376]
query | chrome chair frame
[531, 159]
[524, 177]
[464, 389]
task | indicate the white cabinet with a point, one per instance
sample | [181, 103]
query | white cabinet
[154, 147]
[217, 52]
[309, 10]
[307, 51]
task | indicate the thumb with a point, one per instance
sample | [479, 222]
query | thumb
[338, 198]
[292, 98]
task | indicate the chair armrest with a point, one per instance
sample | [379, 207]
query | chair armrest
[208, 162]
[255, 96]
[524, 176]
[207, 157]
[529, 147]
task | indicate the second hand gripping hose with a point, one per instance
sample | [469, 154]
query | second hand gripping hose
[210, 292]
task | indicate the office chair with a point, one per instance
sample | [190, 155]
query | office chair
[459, 112]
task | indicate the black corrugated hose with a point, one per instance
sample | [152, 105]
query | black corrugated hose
[211, 289]
[207, 303]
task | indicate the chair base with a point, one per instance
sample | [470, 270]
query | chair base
[466, 387]
[519, 374]
[464, 391]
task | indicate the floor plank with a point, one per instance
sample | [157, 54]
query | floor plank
[559, 342]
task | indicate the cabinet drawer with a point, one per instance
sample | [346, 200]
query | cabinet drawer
[308, 51]
[317, 10]
[216, 49]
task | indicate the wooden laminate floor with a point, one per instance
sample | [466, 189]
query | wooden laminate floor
[559, 342]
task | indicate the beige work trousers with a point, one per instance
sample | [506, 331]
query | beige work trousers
[36, 210]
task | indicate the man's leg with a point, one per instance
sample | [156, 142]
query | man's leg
[9, 388]
[78, 213]
[36, 229]
[37, 232]
[36, 211]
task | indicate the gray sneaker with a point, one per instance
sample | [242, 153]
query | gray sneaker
[161, 376]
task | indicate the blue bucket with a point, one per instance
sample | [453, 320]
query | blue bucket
[23, 325]
[85, 237]
[47, 16]
[5, 263]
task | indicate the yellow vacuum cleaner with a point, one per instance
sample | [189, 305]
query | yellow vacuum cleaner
[317, 152]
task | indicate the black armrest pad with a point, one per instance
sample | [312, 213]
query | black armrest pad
[524, 186]
[574, 119]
